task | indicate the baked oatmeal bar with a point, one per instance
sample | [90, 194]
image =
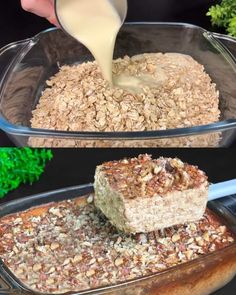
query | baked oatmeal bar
[142, 194]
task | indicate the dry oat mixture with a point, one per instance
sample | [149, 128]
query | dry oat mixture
[70, 246]
[79, 99]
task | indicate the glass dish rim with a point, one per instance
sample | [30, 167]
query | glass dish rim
[7, 274]
[20, 130]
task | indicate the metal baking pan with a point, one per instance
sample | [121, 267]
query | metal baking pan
[176, 276]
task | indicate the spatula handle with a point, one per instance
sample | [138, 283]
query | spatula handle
[222, 189]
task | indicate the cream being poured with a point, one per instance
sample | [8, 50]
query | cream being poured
[94, 23]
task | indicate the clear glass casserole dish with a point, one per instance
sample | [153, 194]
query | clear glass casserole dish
[218, 267]
[29, 63]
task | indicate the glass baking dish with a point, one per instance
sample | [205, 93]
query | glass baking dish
[187, 275]
[29, 63]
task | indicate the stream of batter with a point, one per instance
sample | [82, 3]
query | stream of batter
[96, 23]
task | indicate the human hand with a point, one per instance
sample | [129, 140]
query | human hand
[43, 8]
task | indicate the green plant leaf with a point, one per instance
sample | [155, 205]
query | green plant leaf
[21, 165]
[223, 15]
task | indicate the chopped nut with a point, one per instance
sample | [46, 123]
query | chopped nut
[206, 236]
[147, 177]
[172, 259]
[90, 199]
[37, 267]
[87, 244]
[97, 255]
[18, 221]
[19, 271]
[157, 169]
[77, 258]
[119, 261]
[175, 238]
[189, 254]
[192, 226]
[54, 246]
[200, 241]
[15, 249]
[90, 273]
[56, 212]
[230, 239]
[222, 229]
[50, 281]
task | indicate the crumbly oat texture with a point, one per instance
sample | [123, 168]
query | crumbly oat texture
[79, 99]
[144, 194]
[70, 246]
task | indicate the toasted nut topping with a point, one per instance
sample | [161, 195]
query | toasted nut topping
[54, 246]
[141, 180]
[119, 261]
[175, 238]
[37, 267]
[96, 254]
[77, 258]
[189, 254]
[206, 236]
[222, 229]
[50, 281]
[56, 212]
[90, 199]
[90, 273]
[200, 241]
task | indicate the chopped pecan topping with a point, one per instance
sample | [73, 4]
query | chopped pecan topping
[72, 247]
[146, 177]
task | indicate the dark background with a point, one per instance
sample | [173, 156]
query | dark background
[71, 167]
[16, 24]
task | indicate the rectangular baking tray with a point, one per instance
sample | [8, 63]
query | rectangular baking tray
[175, 277]
[29, 63]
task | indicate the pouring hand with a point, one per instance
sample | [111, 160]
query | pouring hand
[43, 8]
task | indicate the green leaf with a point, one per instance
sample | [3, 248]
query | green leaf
[232, 27]
[21, 165]
[223, 15]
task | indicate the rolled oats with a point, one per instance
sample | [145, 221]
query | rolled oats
[79, 99]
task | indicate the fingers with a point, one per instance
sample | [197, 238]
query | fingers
[43, 8]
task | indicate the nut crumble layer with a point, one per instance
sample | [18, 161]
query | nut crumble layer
[69, 246]
[145, 177]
